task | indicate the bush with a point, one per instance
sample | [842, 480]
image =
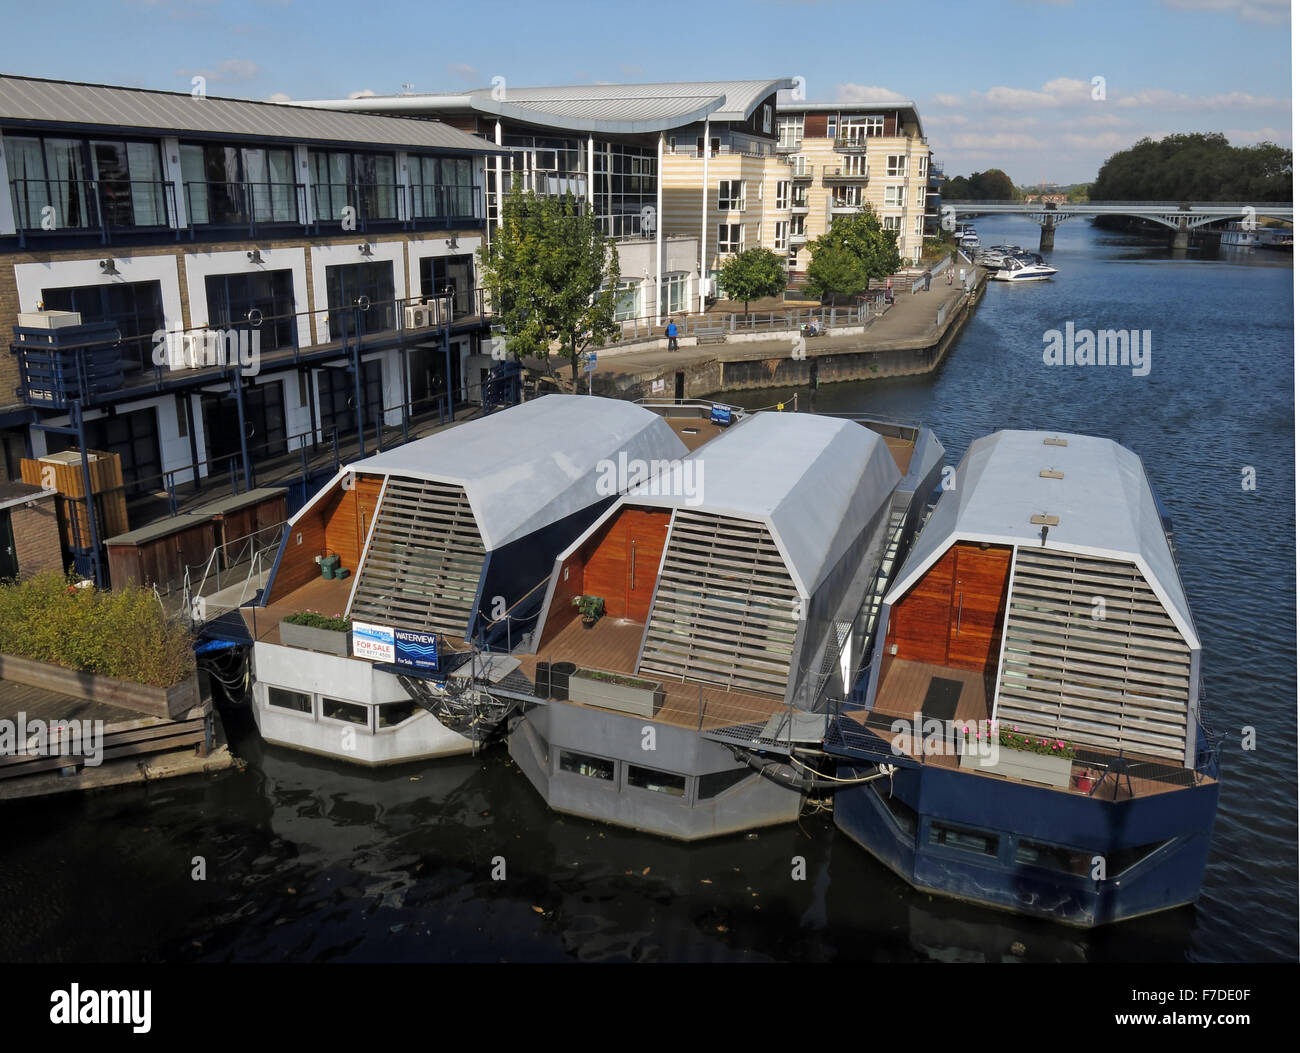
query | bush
[123, 633]
[314, 620]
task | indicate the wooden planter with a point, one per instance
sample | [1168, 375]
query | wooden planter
[1025, 766]
[626, 698]
[309, 638]
[165, 702]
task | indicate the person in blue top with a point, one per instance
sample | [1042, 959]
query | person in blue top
[672, 335]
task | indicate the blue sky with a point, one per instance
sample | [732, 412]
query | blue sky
[999, 83]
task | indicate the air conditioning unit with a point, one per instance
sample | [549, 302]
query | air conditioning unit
[440, 310]
[189, 352]
[418, 316]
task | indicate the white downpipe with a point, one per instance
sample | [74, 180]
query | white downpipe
[659, 233]
[704, 215]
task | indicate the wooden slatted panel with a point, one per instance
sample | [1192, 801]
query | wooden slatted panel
[1118, 682]
[723, 610]
[422, 568]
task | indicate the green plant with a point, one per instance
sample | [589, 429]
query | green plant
[315, 620]
[590, 607]
[123, 633]
[614, 678]
[1026, 741]
[752, 275]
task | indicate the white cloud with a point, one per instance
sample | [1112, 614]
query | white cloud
[463, 70]
[279, 96]
[1000, 141]
[944, 98]
[1101, 141]
[866, 93]
[1251, 136]
[364, 93]
[1159, 98]
[1267, 11]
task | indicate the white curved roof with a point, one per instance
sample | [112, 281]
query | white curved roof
[612, 108]
[531, 465]
[1103, 501]
[814, 481]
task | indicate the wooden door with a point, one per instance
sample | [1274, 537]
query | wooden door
[978, 598]
[646, 533]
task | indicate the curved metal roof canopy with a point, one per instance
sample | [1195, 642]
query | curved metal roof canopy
[534, 464]
[619, 109]
[1102, 499]
[816, 482]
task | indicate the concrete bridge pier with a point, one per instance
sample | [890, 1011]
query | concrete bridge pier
[1047, 238]
[1182, 235]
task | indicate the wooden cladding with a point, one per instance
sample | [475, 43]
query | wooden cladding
[814, 126]
[425, 561]
[726, 611]
[953, 615]
[335, 525]
[1092, 656]
[62, 472]
[624, 562]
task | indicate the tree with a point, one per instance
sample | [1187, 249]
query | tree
[993, 185]
[753, 274]
[552, 275]
[851, 253]
[1195, 166]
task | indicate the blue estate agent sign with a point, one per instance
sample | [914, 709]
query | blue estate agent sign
[720, 414]
[416, 650]
[589, 364]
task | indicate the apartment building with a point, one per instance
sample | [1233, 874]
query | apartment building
[840, 157]
[339, 246]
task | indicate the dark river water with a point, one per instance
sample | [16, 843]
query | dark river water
[312, 860]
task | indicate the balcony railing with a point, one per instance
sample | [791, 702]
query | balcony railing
[90, 206]
[851, 144]
[789, 148]
[844, 174]
[392, 204]
[252, 205]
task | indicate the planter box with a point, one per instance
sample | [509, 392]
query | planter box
[1025, 766]
[639, 701]
[312, 639]
[165, 702]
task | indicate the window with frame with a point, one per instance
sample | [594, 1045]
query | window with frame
[922, 166]
[627, 301]
[799, 197]
[658, 781]
[136, 308]
[976, 842]
[442, 187]
[789, 131]
[731, 195]
[783, 193]
[715, 783]
[853, 129]
[891, 222]
[364, 181]
[799, 165]
[896, 164]
[262, 299]
[918, 226]
[875, 126]
[847, 197]
[792, 261]
[782, 235]
[283, 698]
[584, 764]
[798, 224]
[855, 165]
[730, 236]
[228, 185]
[893, 197]
[360, 298]
[672, 294]
[391, 714]
[349, 712]
[767, 119]
[920, 197]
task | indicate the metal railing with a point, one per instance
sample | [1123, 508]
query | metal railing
[53, 206]
[651, 327]
[844, 172]
[251, 205]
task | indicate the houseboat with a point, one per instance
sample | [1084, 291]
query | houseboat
[735, 595]
[422, 558]
[1028, 734]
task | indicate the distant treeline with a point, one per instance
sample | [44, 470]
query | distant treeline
[1195, 167]
[993, 185]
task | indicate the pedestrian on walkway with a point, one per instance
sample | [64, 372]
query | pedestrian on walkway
[962, 276]
[889, 290]
[672, 335]
[927, 281]
[949, 275]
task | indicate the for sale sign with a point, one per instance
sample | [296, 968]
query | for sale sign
[372, 641]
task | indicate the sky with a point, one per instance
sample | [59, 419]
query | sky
[1044, 89]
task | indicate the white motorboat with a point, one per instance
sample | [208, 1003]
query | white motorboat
[1025, 268]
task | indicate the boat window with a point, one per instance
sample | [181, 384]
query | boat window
[1054, 857]
[966, 840]
[390, 714]
[659, 781]
[283, 698]
[903, 814]
[719, 782]
[336, 709]
[582, 764]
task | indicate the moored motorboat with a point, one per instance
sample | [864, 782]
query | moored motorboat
[1025, 267]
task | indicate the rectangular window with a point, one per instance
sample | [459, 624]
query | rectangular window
[847, 197]
[363, 181]
[1053, 857]
[893, 197]
[896, 164]
[441, 187]
[855, 165]
[627, 303]
[582, 764]
[260, 299]
[136, 309]
[974, 841]
[790, 132]
[390, 714]
[454, 275]
[918, 225]
[891, 223]
[792, 261]
[729, 237]
[360, 297]
[920, 197]
[658, 781]
[799, 165]
[672, 297]
[783, 194]
[875, 126]
[283, 698]
[336, 709]
[853, 129]
[719, 782]
[799, 197]
[782, 235]
[731, 195]
[922, 166]
[798, 224]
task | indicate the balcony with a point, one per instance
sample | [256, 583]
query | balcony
[851, 144]
[845, 175]
[783, 149]
[394, 206]
[800, 173]
[799, 207]
[798, 237]
[251, 206]
[51, 207]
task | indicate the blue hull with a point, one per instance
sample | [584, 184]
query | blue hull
[1031, 850]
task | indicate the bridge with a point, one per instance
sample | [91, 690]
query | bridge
[1180, 217]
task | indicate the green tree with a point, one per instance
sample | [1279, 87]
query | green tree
[552, 275]
[851, 253]
[753, 274]
[1195, 166]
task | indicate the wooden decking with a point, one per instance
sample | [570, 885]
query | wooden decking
[694, 431]
[901, 449]
[325, 597]
[612, 645]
